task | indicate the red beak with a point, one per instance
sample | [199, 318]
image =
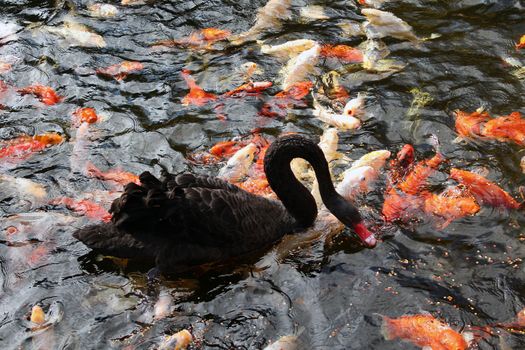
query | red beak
[366, 236]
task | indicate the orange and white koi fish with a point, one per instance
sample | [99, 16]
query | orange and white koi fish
[250, 88]
[424, 331]
[470, 124]
[356, 181]
[197, 96]
[485, 191]
[345, 53]
[285, 99]
[453, 203]
[203, 38]
[178, 341]
[117, 176]
[288, 342]
[382, 24]
[289, 49]
[24, 146]
[84, 207]
[521, 43]
[237, 166]
[85, 115]
[300, 66]
[45, 94]
[121, 70]
[506, 128]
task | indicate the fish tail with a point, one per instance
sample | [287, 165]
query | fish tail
[386, 328]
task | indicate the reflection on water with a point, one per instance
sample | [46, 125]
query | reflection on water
[328, 292]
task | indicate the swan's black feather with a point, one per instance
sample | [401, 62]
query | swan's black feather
[186, 220]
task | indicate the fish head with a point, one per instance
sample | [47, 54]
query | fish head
[237, 166]
[356, 180]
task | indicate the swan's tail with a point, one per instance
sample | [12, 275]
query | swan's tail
[141, 206]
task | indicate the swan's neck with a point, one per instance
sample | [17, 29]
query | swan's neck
[295, 197]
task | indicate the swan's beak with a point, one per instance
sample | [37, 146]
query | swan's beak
[366, 236]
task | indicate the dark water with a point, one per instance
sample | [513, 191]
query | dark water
[471, 273]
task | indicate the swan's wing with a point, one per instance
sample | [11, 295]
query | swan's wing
[198, 209]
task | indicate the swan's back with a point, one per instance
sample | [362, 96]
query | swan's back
[186, 220]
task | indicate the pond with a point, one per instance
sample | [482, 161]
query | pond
[329, 293]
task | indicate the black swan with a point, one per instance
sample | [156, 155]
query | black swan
[186, 220]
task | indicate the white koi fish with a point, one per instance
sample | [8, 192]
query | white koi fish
[238, 165]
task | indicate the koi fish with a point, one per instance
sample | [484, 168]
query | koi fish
[77, 34]
[299, 67]
[331, 87]
[418, 176]
[381, 24]
[84, 207]
[355, 107]
[374, 52]
[237, 166]
[22, 189]
[24, 146]
[470, 124]
[121, 70]
[374, 159]
[453, 203]
[38, 316]
[249, 88]
[79, 153]
[85, 115]
[45, 94]
[485, 191]
[117, 176]
[289, 49]
[356, 181]
[288, 342]
[285, 99]
[178, 341]
[344, 53]
[102, 10]
[372, 3]
[521, 43]
[203, 38]
[313, 12]
[401, 164]
[328, 143]
[506, 128]
[197, 96]
[340, 121]
[37, 255]
[424, 331]
[256, 185]
[269, 17]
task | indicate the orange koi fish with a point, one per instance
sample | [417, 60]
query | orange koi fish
[24, 146]
[470, 124]
[85, 115]
[285, 99]
[521, 43]
[197, 96]
[121, 70]
[485, 191]
[45, 94]
[249, 88]
[118, 176]
[345, 53]
[453, 203]
[37, 254]
[84, 207]
[506, 128]
[424, 331]
[417, 178]
[401, 206]
[203, 38]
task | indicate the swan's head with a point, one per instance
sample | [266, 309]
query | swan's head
[348, 214]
